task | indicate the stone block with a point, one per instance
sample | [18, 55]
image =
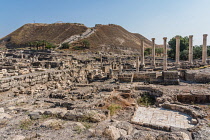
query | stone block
[34, 115]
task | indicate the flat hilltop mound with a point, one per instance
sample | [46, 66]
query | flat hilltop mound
[54, 33]
[101, 37]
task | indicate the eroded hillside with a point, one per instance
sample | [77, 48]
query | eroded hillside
[101, 37]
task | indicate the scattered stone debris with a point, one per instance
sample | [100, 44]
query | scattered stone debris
[52, 95]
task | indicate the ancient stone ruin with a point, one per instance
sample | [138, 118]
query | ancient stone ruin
[88, 95]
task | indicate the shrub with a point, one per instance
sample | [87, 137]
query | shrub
[78, 48]
[197, 52]
[25, 124]
[146, 100]
[147, 51]
[56, 125]
[50, 46]
[159, 51]
[86, 43]
[65, 45]
[184, 55]
[113, 108]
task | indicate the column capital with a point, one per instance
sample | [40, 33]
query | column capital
[165, 38]
[205, 35]
[178, 37]
[190, 36]
[153, 39]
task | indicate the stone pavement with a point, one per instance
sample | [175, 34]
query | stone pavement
[162, 117]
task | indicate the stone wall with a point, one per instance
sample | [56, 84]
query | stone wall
[193, 98]
[148, 77]
[153, 90]
[194, 112]
[199, 76]
[32, 79]
[125, 78]
[170, 78]
[166, 77]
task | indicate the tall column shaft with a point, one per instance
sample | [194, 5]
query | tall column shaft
[204, 50]
[137, 64]
[177, 49]
[101, 60]
[153, 52]
[165, 53]
[120, 65]
[191, 49]
[142, 52]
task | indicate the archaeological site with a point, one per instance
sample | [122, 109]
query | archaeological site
[66, 81]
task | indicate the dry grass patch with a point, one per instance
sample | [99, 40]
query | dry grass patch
[113, 108]
[26, 124]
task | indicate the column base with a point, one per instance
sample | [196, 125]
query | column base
[142, 66]
[177, 65]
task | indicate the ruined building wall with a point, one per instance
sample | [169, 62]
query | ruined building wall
[200, 76]
[41, 78]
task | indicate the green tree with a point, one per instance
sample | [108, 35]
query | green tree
[37, 44]
[41, 43]
[147, 51]
[184, 55]
[158, 51]
[208, 50]
[50, 45]
[65, 45]
[184, 44]
[197, 52]
[86, 43]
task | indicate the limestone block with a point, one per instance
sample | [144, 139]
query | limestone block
[77, 125]
[34, 115]
[52, 123]
[194, 121]
[5, 115]
[125, 126]
[18, 137]
[1, 110]
[84, 115]
[112, 132]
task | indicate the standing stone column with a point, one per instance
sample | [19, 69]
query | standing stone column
[142, 53]
[204, 50]
[177, 49]
[165, 53]
[137, 64]
[120, 65]
[153, 52]
[101, 60]
[191, 49]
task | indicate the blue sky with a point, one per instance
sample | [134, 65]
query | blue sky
[151, 18]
